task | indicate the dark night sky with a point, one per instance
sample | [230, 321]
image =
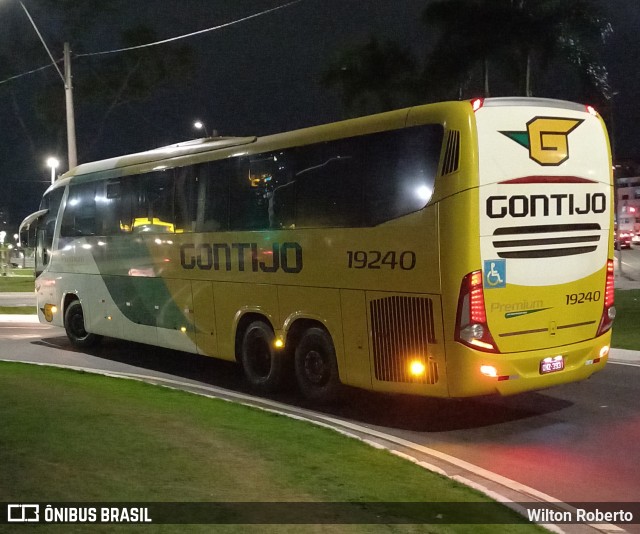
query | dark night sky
[256, 77]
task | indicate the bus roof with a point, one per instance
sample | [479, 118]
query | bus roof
[301, 136]
[158, 154]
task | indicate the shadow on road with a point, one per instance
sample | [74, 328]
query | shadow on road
[396, 411]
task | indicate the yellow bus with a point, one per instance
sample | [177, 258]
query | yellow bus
[451, 249]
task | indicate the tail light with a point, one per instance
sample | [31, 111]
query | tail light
[471, 323]
[477, 103]
[609, 311]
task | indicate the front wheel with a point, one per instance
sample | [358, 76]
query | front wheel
[316, 366]
[74, 325]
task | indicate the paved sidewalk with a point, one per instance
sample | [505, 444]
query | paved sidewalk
[622, 282]
[624, 356]
[17, 318]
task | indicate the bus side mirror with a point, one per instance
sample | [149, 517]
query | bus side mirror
[27, 237]
[28, 229]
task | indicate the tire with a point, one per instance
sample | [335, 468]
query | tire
[263, 366]
[316, 366]
[74, 326]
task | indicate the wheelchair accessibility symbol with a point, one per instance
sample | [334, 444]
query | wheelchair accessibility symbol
[495, 274]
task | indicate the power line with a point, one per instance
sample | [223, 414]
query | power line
[192, 34]
[164, 41]
[27, 73]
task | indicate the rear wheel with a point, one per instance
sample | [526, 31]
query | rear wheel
[316, 366]
[74, 325]
[264, 366]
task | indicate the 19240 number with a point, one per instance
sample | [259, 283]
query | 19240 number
[376, 259]
[581, 298]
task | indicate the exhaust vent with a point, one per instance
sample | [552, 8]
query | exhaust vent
[402, 329]
[451, 153]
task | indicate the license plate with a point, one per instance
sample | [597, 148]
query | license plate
[551, 365]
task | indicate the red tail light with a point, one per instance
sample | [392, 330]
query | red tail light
[471, 323]
[609, 311]
[477, 103]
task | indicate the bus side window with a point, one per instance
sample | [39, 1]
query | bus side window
[401, 167]
[79, 218]
[186, 197]
[252, 193]
[114, 208]
[329, 185]
[152, 208]
[213, 195]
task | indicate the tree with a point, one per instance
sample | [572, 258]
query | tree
[513, 36]
[481, 47]
[376, 76]
[101, 84]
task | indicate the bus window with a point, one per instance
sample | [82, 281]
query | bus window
[252, 190]
[79, 217]
[273, 184]
[401, 168]
[213, 195]
[186, 197]
[329, 185]
[114, 208]
[152, 208]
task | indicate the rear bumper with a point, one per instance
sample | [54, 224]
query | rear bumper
[520, 372]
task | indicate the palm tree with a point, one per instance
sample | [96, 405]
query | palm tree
[513, 36]
[377, 76]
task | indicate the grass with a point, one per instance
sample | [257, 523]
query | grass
[25, 282]
[70, 436]
[626, 334]
[18, 310]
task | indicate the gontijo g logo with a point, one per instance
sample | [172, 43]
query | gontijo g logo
[547, 139]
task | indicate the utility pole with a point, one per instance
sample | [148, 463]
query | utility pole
[71, 122]
[68, 89]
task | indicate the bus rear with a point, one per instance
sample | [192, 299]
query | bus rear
[538, 309]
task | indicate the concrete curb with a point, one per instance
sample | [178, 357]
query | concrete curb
[11, 318]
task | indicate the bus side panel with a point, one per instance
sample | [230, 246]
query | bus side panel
[106, 318]
[175, 323]
[204, 318]
[137, 298]
[232, 301]
[356, 338]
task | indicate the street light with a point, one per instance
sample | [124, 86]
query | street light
[53, 163]
[199, 125]
[68, 90]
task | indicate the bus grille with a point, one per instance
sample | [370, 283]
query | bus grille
[402, 328]
[451, 153]
[546, 241]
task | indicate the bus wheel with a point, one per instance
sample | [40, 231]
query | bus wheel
[316, 366]
[74, 325]
[264, 367]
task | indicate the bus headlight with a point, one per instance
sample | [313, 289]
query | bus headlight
[49, 310]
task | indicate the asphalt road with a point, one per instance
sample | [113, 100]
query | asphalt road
[576, 443]
[17, 299]
[630, 263]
